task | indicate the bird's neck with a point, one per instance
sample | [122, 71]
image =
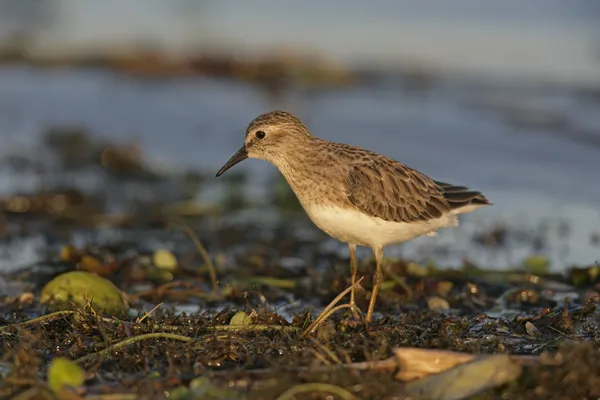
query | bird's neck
[305, 164]
[295, 156]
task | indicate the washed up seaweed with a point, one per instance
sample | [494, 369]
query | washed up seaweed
[213, 304]
[249, 349]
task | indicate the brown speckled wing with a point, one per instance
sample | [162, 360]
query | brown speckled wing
[393, 192]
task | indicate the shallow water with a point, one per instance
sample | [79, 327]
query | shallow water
[457, 132]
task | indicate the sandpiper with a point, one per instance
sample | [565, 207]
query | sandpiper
[356, 196]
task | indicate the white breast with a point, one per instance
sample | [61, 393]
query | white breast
[352, 226]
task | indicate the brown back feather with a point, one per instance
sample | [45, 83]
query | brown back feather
[394, 192]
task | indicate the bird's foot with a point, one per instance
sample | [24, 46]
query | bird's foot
[332, 308]
[353, 308]
[354, 311]
[352, 317]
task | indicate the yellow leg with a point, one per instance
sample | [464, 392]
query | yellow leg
[353, 271]
[377, 279]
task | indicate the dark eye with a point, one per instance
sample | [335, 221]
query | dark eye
[260, 134]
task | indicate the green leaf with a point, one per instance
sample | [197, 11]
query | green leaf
[64, 372]
[83, 288]
[240, 318]
[537, 264]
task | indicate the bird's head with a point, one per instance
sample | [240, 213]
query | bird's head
[268, 137]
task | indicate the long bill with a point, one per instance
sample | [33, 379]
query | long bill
[238, 157]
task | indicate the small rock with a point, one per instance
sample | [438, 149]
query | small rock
[436, 303]
[164, 259]
[532, 330]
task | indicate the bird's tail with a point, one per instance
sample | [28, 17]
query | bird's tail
[461, 199]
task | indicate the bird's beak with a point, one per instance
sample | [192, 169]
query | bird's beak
[239, 156]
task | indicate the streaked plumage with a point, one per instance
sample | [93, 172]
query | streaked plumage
[355, 195]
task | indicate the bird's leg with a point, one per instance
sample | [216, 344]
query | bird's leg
[353, 271]
[377, 279]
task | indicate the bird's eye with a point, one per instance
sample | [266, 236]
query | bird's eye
[260, 134]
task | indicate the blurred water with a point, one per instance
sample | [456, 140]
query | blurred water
[531, 175]
[549, 39]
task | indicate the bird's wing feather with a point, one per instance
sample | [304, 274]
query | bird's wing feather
[393, 192]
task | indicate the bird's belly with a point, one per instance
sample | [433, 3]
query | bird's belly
[353, 226]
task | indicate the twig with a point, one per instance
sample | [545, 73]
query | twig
[40, 319]
[148, 313]
[211, 267]
[388, 365]
[164, 335]
[400, 281]
[113, 396]
[330, 309]
[326, 350]
[231, 328]
[131, 340]
[164, 289]
[267, 281]
[27, 394]
[250, 328]
[316, 387]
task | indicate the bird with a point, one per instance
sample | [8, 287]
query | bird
[354, 195]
